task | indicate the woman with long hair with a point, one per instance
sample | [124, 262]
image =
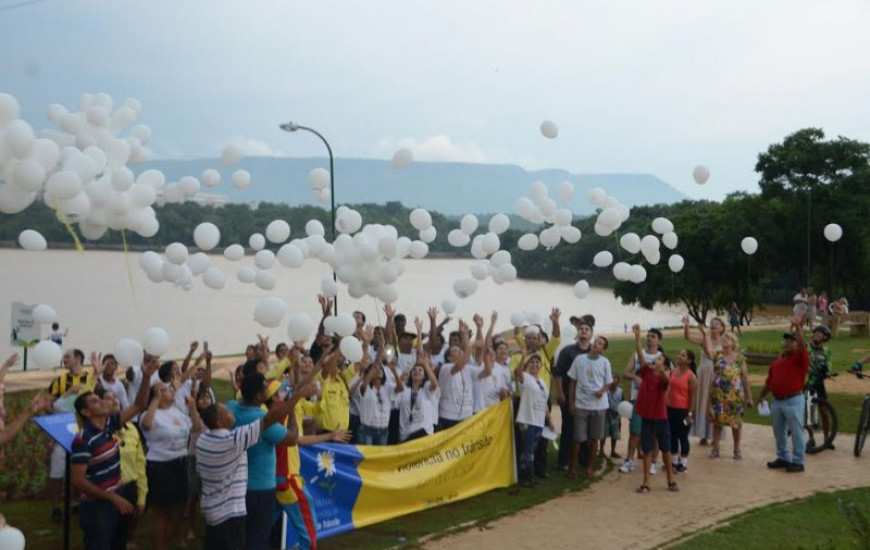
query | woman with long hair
[682, 391]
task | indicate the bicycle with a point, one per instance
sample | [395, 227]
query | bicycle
[820, 418]
[863, 419]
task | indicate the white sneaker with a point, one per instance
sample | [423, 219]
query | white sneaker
[627, 466]
[653, 469]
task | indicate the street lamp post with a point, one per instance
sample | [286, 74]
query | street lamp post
[292, 127]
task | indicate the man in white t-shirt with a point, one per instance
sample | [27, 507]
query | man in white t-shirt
[590, 377]
[456, 380]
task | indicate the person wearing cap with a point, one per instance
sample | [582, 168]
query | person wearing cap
[785, 380]
[561, 383]
[260, 500]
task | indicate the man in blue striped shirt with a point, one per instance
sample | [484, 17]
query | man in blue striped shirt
[222, 464]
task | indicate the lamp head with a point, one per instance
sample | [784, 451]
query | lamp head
[289, 127]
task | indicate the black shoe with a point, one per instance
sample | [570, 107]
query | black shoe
[56, 516]
[791, 468]
[778, 463]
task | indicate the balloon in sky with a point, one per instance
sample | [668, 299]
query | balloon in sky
[403, 157]
[749, 245]
[32, 240]
[549, 129]
[701, 174]
[833, 232]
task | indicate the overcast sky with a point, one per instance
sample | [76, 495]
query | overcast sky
[634, 86]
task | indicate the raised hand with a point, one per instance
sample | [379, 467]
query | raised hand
[685, 320]
[193, 346]
[418, 324]
[368, 334]
[389, 311]
[11, 360]
[635, 328]
[149, 367]
[494, 317]
[97, 362]
[554, 315]
[478, 320]
[433, 313]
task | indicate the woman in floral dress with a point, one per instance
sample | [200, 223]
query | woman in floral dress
[728, 394]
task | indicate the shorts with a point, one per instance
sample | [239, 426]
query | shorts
[819, 391]
[588, 424]
[57, 465]
[614, 426]
[167, 483]
[655, 430]
[634, 425]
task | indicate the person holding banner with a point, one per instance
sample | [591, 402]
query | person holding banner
[532, 413]
[96, 466]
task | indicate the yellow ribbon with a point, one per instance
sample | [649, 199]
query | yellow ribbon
[69, 228]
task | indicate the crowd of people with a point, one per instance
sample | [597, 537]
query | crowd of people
[160, 441]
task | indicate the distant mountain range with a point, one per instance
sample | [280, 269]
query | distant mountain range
[447, 187]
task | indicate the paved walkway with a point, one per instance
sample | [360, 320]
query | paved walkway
[611, 515]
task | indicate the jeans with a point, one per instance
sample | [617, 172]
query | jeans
[101, 525]
[788, 416]
[261, 514]
[373, 436]
[529, 437]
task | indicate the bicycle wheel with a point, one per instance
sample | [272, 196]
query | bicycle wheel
[863, 426]
[821, 436]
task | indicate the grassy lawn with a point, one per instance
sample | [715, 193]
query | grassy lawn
[838, 520]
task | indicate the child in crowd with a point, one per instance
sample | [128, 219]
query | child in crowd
[614, 421]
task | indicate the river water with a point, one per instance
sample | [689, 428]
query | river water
[94, 297]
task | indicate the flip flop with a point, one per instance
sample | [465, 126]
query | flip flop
[643, 489]
[673, 486]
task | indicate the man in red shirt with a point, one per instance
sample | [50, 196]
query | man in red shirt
[785, 381]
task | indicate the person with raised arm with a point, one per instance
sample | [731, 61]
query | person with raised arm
[785, 381]
[418, 401]
[456, 380]
[532, 413]
[494, 381]
[40, 402]
[95, 466]
[651, 406]
[322, 340]
[590, 377]
[729, 395]
[710, 342]
[649, 354]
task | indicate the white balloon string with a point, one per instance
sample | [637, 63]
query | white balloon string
[127, 264]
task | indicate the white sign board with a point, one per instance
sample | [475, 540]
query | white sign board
[25, 330]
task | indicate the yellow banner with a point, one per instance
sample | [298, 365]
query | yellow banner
[471, 458]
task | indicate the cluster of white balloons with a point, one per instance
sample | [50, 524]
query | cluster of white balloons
[485, 247]
[613, 213]
[539, 208]
[80, 168]
[319, 180]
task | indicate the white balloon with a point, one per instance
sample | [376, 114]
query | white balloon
[609, 217]
[278, 231]
[47, 354]
[581, 289]
[214, 278]
[316, 245]
[833, 232]
[241, 179]
[637, 274]
[30, 239]
[257, 241]
[155, 341]
[596, 196]
[670, 240]
[749, 245]
[506, 272]
[210, 177]
[538, 191]
[622, 271]
[318, 179]
[351, 348]
[550, 237]
[418, 250]
[449, 306]
[625, 409]
[18, 137]
[299, 327]
[142, 196]
[328, 287]
[518, 318]
[491, 243]
[570, 234]
[189, 186]
[264, 280]
[234, 252]
[500, 258]
[548, 208]
[176, 253]
[44, 314]
[662, 226]
[649, 244]
[246, 274]
[464, 287]
[457, 238]
[231, 155]
[269, 312]
[549, 129]
[527, 242]
[264, 259]
[428, 235]
[150, 260]
[630, 242]
[402, 158]
[480, 270]
[566, 191]
[525, 207]
[314, 227]
[701, 174]
[28, 175]
[149, 228]
[63, 185]
[350, 221]
[653, 257]
[420, 219]
[46, 153]
[468, 224]
[12, 538]
[206, 235]
[9, 109]
[198, 263]
[676, 263]
[291, 256]
[345, 324]
[499, 223]
[129, 352]
[154, 178]
[563, 217]
[603, 259]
